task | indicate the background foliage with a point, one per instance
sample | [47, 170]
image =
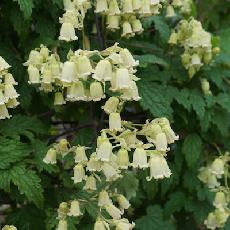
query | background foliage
[34, 189]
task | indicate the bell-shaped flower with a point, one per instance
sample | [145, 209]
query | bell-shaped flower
[101, 225]
[115, 122]
[90, 183]
[104, 151]
[4, 112]
[9, 79]
[74, 209]
[44, 51]
[63, 209]
[79, 173]
[35, 58]
[131, 94]
[3, 64]
[62, 146]
[123, 224]
[34, 75]
[113, 22]
[222, 216]
[212, 181]
[217, 167]
[96, 91]
[84, 67]
[127, 7]
[123, 159]
[10, 92]
[46, 87]
[127, 58]
[170, 135]
[62, 225]
[101, 6]
[122, 79]
[158, 167]
[113, 8]
[113, 211]
[196, 61]
[80, 155]
[76, 92]
[136, 4]
[111, 105]
[211, 222]
[115, 58]
[129, 137]
[9, 227]
[145, 9]
[127, 30]
[3, 100]
[51, 156]
[12, 103]
[59, 99]
[173, 39]
[137, 26]
[103, 71]
[69, 72]
[103, 199]
[170, 11]
[161, 142]
[94, 165]
[67, 32]
[110, 172]
[220, 200]
[47, 77]
[123, 202]
[140, 158]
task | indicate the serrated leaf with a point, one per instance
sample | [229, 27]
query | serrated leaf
[221, 120]
[26, 6]
[12, 151]
[182, 97]
[192, 148]
[175, 203]
[150, 59]
[198, 103]
[154, 100]
[154, 220]
[5, 180]
[28, 183]
[223, 100]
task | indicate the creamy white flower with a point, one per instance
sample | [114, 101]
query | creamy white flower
[90, 183]
[50, 157]
[80, 155]
[79, 173]
[104, 151]
[115, 122]
[113, 211]
[67, 32]
[103, 71]
[140, 158]
[104, 199]
[74, 209]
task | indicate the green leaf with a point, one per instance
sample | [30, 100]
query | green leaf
[175, 203]
[151, 59]
[192, 148]
[221, 120]
[28, 183]
[153, 99]
[26, 6]
[223, 100]
[182, 97]
[12, 151]
[5, 180]
[198, 103]
[154, 220]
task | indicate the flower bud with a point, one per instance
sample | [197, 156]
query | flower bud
[123, 202]
[127, 30]
[217, 167]
[140, 158]
[84, 67]
[173, 39]
[158, 166]
[205, 87]
[74, 209]
[90, 183]
[113, 211]
[80, 155]
[115, 122]
[101, 6]
[196, 60]
[59, 99]
[96, 91]
[104, 151]
[111, 105]
[3, 64]
[79, 173]
[76, 92]
[63, 209]
[220, 200]
[123, 159]
[67, 32]
[103, 71]
[104, 199]
[34, 75]
[62, 146]
[69, 72]
[113, 8]
[10, 92]
[50, 157]
[44, 51]
[9, 227]
[62, 225]
[113, 22]
[170, 11]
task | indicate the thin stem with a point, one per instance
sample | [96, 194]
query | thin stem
[100, 35]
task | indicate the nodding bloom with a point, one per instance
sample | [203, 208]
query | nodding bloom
[113, 211]
[113, 8]
[113, 22]
[140, 158]
[111, 105]
[123, 202]
[62, 225]
[80, 155]
[69, 72]
[93, 165]
[90, 183]
[74, 209]
[115, 122]
[217, 167]
[220, 200]
[161, 142]
[104, 151]
[101, 225]
[67, 32]
[79, 173]
[84, 67]
[96, 91]
[123, 159]
[127, 7]
[76, 92]
[137, 26]
[3, 64]
[59, 99]
[104, 199]
[127, 30]
[10, 92]
[127, 59]
[158, 166]
[123, 224]
[51, 156]
[101, 6]
[110, 172]
[103, 71]
[34, 75]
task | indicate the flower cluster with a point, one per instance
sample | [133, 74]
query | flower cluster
[73, 18]
[146, 145]
[85, 75]
[211, 175]
[8, 94]
[126, 14]
[184, 7]
[196, 43]
[9, 227]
